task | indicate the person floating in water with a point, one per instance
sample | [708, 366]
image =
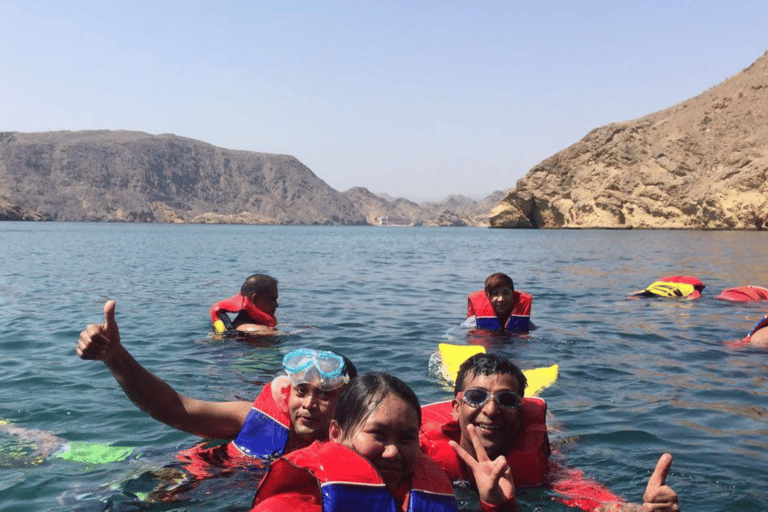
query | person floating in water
[676, 287]
[490, 422]
[290, 412]
[255, 307]
[499, 307]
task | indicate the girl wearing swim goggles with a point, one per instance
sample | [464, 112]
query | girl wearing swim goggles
[477, 397]
[321, 368]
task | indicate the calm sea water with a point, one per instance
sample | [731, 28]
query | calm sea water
[637, 377]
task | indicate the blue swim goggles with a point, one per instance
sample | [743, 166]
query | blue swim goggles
[321, 368]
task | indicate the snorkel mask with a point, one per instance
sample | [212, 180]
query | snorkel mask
[324, 370]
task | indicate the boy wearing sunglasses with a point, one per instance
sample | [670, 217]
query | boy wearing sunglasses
[490, 424]
[292, 411]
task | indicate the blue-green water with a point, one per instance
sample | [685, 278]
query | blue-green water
[637, 377]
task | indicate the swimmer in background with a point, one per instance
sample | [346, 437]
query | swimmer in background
[676, 287]
[498, 307]
[255, 306]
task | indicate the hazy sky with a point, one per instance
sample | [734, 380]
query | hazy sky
[417, 99]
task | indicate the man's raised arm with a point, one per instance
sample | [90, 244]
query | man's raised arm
[151, 394]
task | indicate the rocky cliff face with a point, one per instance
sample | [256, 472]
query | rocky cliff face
[137, 177]
[702, 164]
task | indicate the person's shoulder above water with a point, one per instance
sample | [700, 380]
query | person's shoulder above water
[254, 308]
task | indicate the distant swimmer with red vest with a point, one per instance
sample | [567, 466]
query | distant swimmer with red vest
[499, 307]
[676, 287]
[290, 412]
[254, 308]
[490, 422]
[371, 463]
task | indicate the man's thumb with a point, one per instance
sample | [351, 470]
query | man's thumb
[659, 475]
[109, 315]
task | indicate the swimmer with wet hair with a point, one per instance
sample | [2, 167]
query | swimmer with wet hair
[255, 306]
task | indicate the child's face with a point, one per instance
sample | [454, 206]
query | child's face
[502, 299]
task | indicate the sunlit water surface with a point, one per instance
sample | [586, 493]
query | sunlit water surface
[637, 377]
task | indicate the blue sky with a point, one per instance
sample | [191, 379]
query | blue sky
[416, 99]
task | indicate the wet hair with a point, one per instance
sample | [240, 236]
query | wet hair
[349, 366]
[365, 393]
[488, 364]
[493, 281]
[258, 284]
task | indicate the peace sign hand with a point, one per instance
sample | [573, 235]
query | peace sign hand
[493, 478]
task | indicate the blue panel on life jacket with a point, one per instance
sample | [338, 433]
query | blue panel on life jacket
[261, 436]
[348, 497]
[430, 502]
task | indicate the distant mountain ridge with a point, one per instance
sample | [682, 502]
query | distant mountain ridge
[383, 210]
[125, 176]
[701, 164]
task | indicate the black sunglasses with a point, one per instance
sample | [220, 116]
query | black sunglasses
[476, 397]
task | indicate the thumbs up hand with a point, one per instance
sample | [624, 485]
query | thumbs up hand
[99, 341]
[658, 496]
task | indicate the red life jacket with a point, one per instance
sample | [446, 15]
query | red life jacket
[345, 481]
[236, 304]
[528, 457]
[519, 320]
[266, 428]
[263, 437]
[744, 294]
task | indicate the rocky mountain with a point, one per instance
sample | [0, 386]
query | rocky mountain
[137, 177]
[701, 164]
[477, 212]
[383, 210]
